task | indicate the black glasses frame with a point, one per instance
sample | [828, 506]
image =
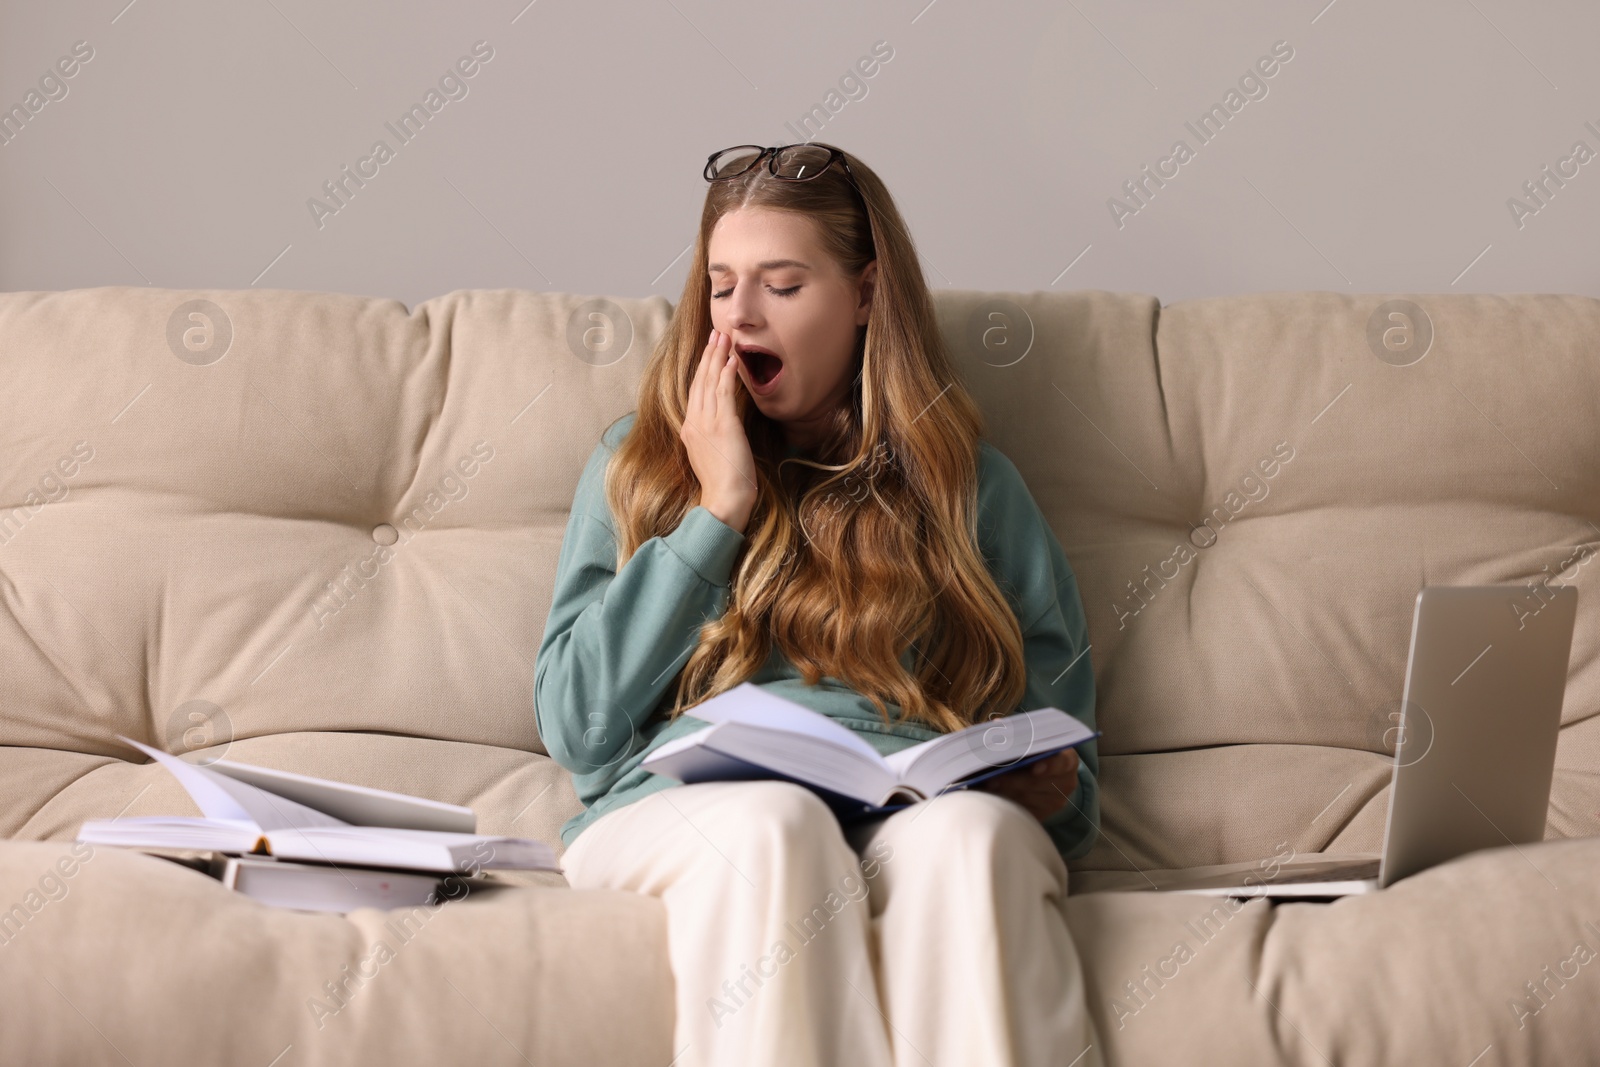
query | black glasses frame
[771, 157]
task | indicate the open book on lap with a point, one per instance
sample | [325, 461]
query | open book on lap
[395, 830]
[756, 734]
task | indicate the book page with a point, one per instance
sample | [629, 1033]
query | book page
[934, 765]
[384, 846]
[357, 805]
[750, 704]
[172, 831]
[220, 797]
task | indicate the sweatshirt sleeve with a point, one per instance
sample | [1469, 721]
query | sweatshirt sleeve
[1032, 570]
[1059, 676]
[614, 640]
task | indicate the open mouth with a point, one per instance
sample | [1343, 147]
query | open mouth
[762, 365]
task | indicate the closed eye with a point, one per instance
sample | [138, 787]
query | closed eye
[793, 289]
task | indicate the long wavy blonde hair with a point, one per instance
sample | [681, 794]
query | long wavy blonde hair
[868, 550]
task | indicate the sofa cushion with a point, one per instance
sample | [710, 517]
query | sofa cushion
[1251, 491]
[347, 520]
[114, 957]
[1490, 958]
[1501, 950]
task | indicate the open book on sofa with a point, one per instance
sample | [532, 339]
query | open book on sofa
[293, 816]
[757, 734]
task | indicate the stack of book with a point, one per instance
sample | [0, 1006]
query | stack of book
[314, 844]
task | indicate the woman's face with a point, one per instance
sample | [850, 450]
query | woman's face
[773, 288]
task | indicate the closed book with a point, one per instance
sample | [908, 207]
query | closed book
[318, 887]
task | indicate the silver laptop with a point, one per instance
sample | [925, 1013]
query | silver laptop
[1475, 745]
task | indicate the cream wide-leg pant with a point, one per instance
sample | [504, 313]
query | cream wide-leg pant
[936, 935]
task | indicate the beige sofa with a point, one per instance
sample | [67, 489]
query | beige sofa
[319, 532]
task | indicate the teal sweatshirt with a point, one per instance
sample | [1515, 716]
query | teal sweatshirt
[614, 640]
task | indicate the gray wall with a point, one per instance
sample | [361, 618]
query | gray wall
[1385, 155]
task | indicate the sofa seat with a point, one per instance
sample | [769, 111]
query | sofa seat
[135, 959]
[1432, 970]
[1435, 969]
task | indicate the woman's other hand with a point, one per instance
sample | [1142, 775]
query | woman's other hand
[1043, 787]
[713, 433]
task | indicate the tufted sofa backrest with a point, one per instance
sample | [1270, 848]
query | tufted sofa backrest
[1251, 491]
[308, 510]
[233, 514]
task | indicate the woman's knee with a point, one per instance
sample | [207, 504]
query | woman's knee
[970, 822]
[775, 810]
[970, 811]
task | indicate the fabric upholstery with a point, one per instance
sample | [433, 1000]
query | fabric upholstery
[330, 548]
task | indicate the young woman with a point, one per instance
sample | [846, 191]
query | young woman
[802, 501]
